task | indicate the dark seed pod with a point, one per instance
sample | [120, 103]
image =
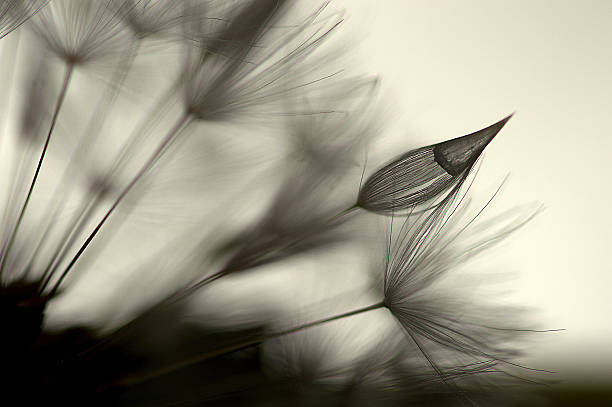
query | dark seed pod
[423, 174]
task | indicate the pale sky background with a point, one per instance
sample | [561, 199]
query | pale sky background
[453, 67]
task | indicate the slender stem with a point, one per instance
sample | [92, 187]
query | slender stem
[67, 241]
[107, 101]
[18, 178]
[134, 324]
[209, 279]
[342, 213]
[191, 289]
[154, 114]
[136, 379]
[18, 168]
[329, 319]
[60, 101]
[90, 137]
[182, 122]
[201, 283]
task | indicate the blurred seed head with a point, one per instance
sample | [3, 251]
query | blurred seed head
[148, 18]
[236, 34]
[38, 96]
[305, 212]
[271, 241]
[80, 31]
[244, 69]
[422, 175]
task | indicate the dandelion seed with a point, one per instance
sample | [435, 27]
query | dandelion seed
[234, 73]
[445, 338]
[424, 253]
[422, 175]
[147, 18]
[80, 31]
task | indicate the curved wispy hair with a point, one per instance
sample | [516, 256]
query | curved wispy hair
[235, 72]
[81, 31]
[424, 174]
[446, 332]
[13, 13]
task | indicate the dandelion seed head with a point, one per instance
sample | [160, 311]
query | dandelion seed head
[147, 18]
[245, 71]
[80, 31]
[453, 337]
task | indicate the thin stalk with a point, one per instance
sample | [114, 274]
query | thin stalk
[107, 101]
[33, 257]
[329, 319]
[136, 136]
[182, 122]
[66, 242]
[184, 293]
[18, 178]
[17, 169]
[145, 124]
[134, 324]
[342, 213]
[201, 283]
[209, 279]
[90, 136]
[137, 379]
[58, 106]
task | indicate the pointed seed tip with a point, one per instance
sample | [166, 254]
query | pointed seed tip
[458, 154]
[507, 118]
